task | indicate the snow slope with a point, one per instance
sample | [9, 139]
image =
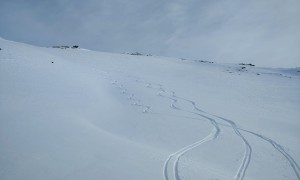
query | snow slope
[92, 115]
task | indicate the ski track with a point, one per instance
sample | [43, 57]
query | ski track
[247, 156]
[240, 174]
[210, 137]
[248, 149]
[280, 149]
[136, 102]
[178, 154]
[213, 135]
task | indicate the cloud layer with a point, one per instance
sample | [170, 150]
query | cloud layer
[265, 33]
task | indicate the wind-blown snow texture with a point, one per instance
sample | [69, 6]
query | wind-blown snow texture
[80, 114]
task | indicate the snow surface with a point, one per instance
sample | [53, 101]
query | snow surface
[92, 115]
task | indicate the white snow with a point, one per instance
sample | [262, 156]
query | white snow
[93, 115]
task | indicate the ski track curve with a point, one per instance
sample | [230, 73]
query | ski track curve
[280, 149]
[240, 174]
[178, 154]
[248, 149]
[131, 97]
[213, 135]
[247, 156]
[210, 137]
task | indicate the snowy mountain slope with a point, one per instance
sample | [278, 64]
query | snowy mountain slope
[92, 115]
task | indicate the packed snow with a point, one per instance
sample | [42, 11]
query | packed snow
[80, 114]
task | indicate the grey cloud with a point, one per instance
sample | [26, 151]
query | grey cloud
[265, 33]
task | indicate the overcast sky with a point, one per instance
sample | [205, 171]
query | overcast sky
[263, 32]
